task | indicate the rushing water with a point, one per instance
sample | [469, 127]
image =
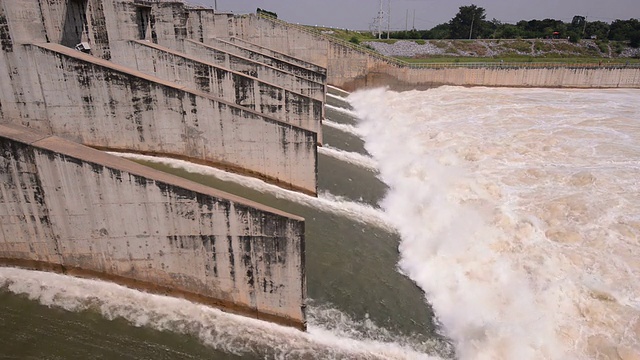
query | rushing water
[512, 213]
[519, 213]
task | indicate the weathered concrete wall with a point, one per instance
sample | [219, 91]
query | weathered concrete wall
[163, 23]
[211, 28]
[235, 87]
[281, 37]
[73, 209]
[19, 23]
[351, 68]
[74, 21]
[206, 24]
[278, 60]
[97, 103]
[312, 89]
[109, 26]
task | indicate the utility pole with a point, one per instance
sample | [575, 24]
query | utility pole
[380, 21]
[215, 6]
[584, 28]
[413, 27]
[406, 21]
[472, 19]
[388, 18]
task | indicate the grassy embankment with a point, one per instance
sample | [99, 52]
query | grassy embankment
[508, 50]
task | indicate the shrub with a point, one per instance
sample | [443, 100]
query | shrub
[440, 44]
[542, 46]
[519, 46]
[574, 37]
[618, 47]
[603, 46]
[354, 39]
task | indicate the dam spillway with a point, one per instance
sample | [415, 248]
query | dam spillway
[241, 93]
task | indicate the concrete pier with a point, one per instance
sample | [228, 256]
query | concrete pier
[301, 85]
[247, 91]
[136, 112]
[68, 208]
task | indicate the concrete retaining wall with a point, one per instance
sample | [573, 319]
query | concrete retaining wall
[404, 78]
[76, 210]
[238, 88]
[99, 104]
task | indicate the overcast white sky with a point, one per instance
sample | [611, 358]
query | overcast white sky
[358, 14]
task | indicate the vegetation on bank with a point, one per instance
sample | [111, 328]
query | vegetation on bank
[470, 23]
[529, 48]
[507, 50]
[534, 40]
[517, 59]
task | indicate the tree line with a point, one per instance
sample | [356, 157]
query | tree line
[470, 23]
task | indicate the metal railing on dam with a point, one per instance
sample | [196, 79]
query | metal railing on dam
[447, 65]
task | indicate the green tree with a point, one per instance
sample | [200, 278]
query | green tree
[599, 29]
[574, 36]
[442, 31]
[508, 31]
[541, 28]
[578, 23]
[634, 39]
[468, 22]
[621, 30]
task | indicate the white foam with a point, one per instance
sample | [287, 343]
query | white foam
[219, 330]
[357, 159]
[340, 109]
[349, 129]
[518, 211]
[325, 202]
[336, 96]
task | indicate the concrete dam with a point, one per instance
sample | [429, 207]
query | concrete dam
[238, 92]
[153, 77]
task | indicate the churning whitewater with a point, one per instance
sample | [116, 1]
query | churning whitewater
[331, 334]
[519, 213]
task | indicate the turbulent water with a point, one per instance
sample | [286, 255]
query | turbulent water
[515, 211]
[519, 213]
